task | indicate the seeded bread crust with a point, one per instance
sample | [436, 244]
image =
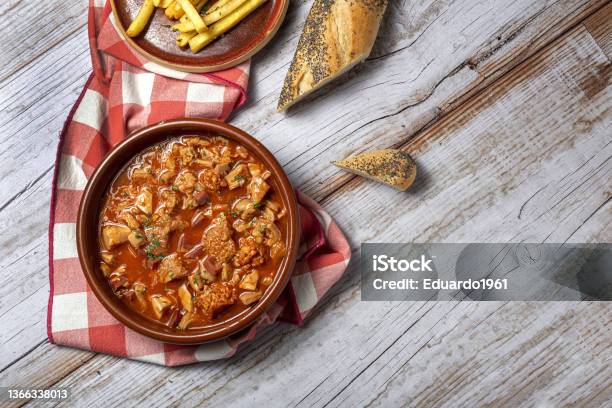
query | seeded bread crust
[338, 34]
[390, 166]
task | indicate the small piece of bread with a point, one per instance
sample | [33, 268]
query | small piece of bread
[390, 166]
[338, 34]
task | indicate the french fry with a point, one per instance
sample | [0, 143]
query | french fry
[156, 3]
[170, 10]
[165, 3]
[224, 25]
[141, 20]
[183, 39]
[193, 15]
[216, 5]
[222, 11]
[184, 27]
[179, 13]
[199, 6]
[176, 10]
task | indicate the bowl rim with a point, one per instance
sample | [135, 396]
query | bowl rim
[91, 198]
[239, 59]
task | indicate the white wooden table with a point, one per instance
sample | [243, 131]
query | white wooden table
[505, 105]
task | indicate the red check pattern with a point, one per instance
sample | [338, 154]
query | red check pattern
[125, 93]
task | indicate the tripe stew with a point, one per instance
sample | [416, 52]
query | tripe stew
[192, 231]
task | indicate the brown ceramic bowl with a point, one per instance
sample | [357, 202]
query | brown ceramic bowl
[88, 219]
[157, 42]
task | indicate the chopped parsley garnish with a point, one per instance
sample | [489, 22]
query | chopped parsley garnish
[238, 179]
[257, 205]
[155, 257]
[234, 214]
[150, 250]
[174, 188]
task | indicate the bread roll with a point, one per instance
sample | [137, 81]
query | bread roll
[337, 35]
[390, 166]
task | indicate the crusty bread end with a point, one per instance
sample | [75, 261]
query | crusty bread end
[390, 166]
[338, 34]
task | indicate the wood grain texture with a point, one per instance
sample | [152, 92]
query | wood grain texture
[506, 107]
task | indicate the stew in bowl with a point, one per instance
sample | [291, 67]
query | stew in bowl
[194, 233]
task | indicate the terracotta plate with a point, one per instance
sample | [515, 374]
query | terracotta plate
[158, 42]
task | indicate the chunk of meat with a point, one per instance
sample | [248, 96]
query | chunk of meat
[185, 153]
[118, 280]
[215, 298]
[249, 281]
[168, 201]
[277, 250]
[244, 208]
[129, 219]
[222, 169]
[144, 201]
[166, 176]
[158, 233]
[114, 234]
[217, 240]
[185, 297]
[258, 188]
[266, 232]
[160, 304]
[142, 174]
[169, 162]
[255, 169]
[250, 253]
[189, 203]
[185, 182]
[171, 268]
[237, 177]
[140, 290]
[201, 197]
[136, 238]
[242, 152]
[196, 141]
[186, 320]
[248, 298]
[210, 179]
[107, 257]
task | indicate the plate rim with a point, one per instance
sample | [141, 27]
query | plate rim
[202, 68]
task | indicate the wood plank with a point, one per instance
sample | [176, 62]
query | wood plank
[412, 82]
[518, 162]
[29, 129]
[284, 347]
[27, 372]
[600, 27]
[31, 117]
[23, 306]
[48, 24]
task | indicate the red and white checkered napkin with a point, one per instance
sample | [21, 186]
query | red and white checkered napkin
[125, 93]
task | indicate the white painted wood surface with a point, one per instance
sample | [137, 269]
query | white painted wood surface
[505, 105]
